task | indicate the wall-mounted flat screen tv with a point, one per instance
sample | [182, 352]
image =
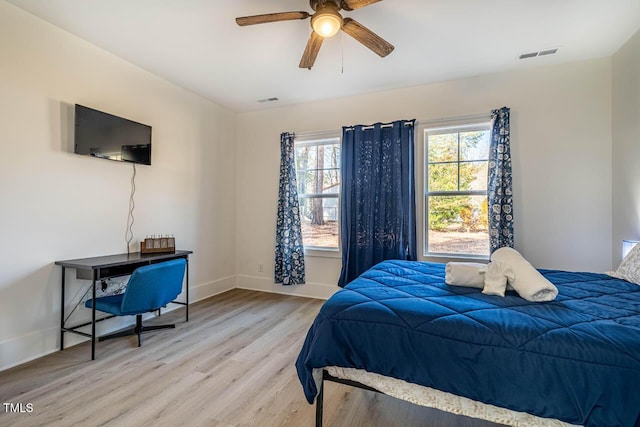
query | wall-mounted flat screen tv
[106, 136]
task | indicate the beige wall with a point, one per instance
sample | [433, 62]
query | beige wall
[626, 145]
[57, 205]
[561, 148]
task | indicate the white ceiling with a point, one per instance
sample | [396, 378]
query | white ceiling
[196, 43]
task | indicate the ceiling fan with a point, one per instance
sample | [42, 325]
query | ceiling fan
[326, 22]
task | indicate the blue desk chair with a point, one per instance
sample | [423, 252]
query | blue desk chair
[149, 288]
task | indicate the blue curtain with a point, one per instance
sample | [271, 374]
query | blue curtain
[289, 265]
[378, 196]
[499, 182]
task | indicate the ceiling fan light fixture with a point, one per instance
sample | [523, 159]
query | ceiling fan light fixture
[327, 21]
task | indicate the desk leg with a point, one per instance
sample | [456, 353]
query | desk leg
[93, 315]
[62, 313]
[187, 259]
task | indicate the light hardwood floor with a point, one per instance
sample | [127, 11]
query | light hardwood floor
[232, 364]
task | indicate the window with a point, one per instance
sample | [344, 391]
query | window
[455, 197]
[318, 176]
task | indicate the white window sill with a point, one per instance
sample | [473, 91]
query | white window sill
[444, 258]
[322, 253]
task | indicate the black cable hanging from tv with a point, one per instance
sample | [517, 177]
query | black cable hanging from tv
[128, 235]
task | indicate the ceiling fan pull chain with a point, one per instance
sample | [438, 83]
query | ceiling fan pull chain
[342, 49]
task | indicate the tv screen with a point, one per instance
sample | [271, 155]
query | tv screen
[106, 136]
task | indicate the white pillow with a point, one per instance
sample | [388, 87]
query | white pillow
[629, 268]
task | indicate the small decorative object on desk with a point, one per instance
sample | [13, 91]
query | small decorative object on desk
[158, 244]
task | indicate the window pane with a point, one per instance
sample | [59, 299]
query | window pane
[332, 156]
[322, 181]
[305, 181]
[318, 171]
[473, 175]
[319, 217]
[305, 169]
[443, 177]
[306, 157]
[301, 156]
[474, 145]
[458, 225]
[312, 157]
[443, 148]
[331, 183]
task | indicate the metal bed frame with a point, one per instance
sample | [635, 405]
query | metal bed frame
[320, 398]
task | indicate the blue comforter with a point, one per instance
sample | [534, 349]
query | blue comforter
[576, 359]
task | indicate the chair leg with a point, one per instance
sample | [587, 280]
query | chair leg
[125, 333]
[139, 328]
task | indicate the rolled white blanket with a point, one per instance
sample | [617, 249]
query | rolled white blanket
[527, 281]
[469, 274]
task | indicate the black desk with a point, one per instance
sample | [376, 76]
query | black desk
[98, 268]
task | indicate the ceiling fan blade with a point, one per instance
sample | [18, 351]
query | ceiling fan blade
[367, 37]
[356, 4]
[311, 51]
[271, 17]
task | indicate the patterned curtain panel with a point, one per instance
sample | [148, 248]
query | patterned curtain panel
[289, 269]
[500, 184]
[378, 196]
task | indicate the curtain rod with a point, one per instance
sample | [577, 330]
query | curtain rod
[386, 125]
[318, 134]
[336, 133]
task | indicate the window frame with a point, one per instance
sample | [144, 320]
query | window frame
[314, 140]
[482, 124]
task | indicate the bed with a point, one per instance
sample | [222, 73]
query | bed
[572, 361]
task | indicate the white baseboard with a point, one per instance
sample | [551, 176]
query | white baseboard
[210, 289]
[309, 290]
[25, 348]
[22, 349]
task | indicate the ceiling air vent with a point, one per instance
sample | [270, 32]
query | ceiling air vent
[540, 53]
[268, 100]
[548, 52]
[528, 55]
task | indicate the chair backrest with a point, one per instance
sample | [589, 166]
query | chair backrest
[153, 286]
